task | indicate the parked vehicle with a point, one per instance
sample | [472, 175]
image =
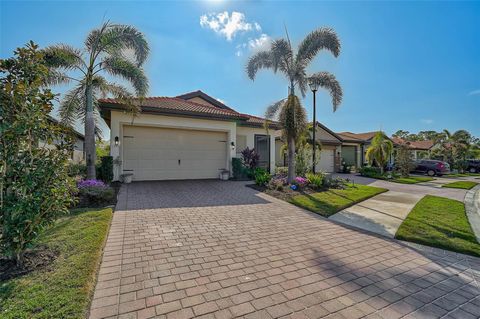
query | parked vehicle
[473, 166]
[431, 167]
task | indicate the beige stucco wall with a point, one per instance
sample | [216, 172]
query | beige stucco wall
[119, 119]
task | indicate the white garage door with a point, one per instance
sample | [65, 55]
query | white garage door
[160, 153]
[326, 162]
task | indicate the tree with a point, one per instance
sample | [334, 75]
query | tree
[35, 187]
[401, 134]
[118, 50]
[403, 159]
[379, 150]
[293, 64]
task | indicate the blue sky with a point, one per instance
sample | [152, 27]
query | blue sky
[412, 65]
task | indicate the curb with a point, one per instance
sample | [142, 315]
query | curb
[472, 208]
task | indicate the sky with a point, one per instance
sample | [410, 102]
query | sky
[403, 65]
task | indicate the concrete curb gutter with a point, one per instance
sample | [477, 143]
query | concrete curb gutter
[472, 208]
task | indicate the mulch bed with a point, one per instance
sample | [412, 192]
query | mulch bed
[40, 258]
[286, 194]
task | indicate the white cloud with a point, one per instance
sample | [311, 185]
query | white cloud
[228, 25]
[260, 43]
[475, 92]
[427, 121]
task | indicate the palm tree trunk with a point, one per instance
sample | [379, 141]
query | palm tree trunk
[90, 134]
[291, 159]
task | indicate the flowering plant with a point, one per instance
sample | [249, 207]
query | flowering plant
[90, 183]
[301, 181]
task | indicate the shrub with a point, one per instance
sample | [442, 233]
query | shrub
[94, 193]
[105, 170]
[403, 160]
[277, 183]
[461, 165]
[239, 169]
[262, 177]
[281, 170]
[315, 180]
[250, 158]
[334, 182]
[75, 170]
[35, 186]
[370, 171]
[300, 181]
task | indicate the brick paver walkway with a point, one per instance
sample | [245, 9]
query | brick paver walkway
[211, 249]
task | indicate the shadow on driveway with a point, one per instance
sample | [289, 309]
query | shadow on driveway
[185, 193]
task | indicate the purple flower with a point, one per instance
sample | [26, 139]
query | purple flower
[301, 181]
[90, 183]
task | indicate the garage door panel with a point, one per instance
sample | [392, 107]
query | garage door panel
[153, 153]
[326, 162]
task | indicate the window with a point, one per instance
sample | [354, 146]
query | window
[262, 147]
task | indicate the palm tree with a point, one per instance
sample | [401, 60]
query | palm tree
[379, 150]
[293, 64]
[114, 49]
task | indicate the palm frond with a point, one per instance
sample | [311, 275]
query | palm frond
[118, 37]
[328, 81]
[72, 104]
[260, 60]
[63, 56]
[104, 89]
[272, 110]
[56, 77]
[320, 39]
[282, 56]
[116, 65]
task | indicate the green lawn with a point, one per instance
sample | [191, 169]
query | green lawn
[412, 179]
[439, 222]
[329, 202]
[461, 184]
[64, 290]
[462, 175]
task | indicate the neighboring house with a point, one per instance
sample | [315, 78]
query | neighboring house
[420, 149]
[78, 153]
[331, 150]
[191, 136]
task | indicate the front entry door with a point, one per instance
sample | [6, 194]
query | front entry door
[262, 147]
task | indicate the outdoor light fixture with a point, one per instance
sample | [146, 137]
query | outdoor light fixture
[233, 145]
[314, 87]
[116, 141]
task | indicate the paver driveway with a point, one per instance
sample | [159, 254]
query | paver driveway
[212, 249]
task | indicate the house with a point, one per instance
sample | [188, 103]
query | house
[190, 136]
[78, 153]
[420, 149]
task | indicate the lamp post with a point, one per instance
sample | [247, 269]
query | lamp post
[314, 87]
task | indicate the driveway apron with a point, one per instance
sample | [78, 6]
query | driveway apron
[212, 249]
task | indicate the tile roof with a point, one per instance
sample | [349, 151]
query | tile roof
[358, 136]
[180, 106]
[418, 145]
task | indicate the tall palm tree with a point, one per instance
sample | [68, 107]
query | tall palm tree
[293, 64]
[379, 150]
[114, 49]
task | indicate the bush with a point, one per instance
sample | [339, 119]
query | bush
[281, 170]
[250, 158]
[300, 181]
[94, 193]
[277, 183]
[240, 171]
[370, 171]
[262, 177]
[35, 186]
[315, 180]
[331, 182]
[75, 170]
[105, 169]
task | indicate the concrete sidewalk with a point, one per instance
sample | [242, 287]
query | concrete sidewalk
[382, 214]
